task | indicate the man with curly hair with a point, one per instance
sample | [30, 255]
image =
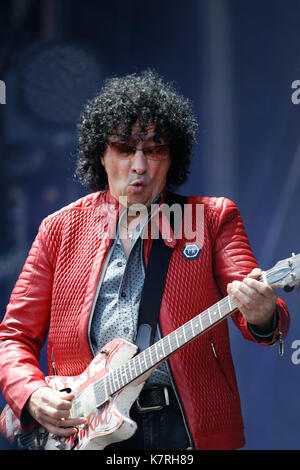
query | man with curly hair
[83, 280]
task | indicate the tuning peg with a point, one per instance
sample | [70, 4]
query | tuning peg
[288, 288]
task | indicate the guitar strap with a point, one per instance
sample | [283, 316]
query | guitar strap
[155, 279]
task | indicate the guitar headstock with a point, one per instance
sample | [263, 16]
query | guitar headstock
[285, 273]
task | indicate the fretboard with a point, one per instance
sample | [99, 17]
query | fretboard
[158, 352]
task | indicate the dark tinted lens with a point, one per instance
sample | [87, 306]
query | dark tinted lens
[162, 150]
[159, 151]
[123, 147]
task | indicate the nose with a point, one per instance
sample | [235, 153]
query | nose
[139, 162]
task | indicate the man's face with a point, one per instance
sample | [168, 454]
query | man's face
[135, 176]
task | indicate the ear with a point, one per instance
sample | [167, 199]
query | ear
[102, 161]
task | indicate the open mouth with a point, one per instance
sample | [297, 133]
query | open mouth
[138, 185]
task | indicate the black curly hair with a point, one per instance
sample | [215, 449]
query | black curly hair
[144, 98]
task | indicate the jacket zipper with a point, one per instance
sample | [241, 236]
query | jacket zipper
[221, 368]
[53, 362]
[281, 348]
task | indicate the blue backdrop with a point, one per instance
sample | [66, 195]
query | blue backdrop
[236, 61]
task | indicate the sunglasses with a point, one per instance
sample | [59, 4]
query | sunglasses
[156, 152]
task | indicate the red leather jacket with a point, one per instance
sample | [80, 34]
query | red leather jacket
[55, 292]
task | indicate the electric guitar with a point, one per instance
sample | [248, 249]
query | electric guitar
[106, 390]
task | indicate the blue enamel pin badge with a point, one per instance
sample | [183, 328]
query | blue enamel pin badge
[191, 251]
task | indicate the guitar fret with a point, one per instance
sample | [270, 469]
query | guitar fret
[155, 347]
[133, 369]
[230, 304]
[100, 391]
[161, 356]
[129, 370]
[150, 357]
[110, 383]
[169, 341]
[115, 374]
[214, 313]
[151, 352]
[189, 330]
[197, 322]
[209, 316]
[145, 360]
[193, 332]
[165, 346]
[124, 373]
[139, 364]
[205, 320]
[120, 376]
[105, 388]
[180, 329]
[175, 339]
[119, 372]
[162, 347]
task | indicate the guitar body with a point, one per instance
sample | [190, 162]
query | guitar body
[105, 424]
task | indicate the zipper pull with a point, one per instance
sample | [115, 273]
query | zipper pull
[53, 362]
[281, 349]
[213, 348]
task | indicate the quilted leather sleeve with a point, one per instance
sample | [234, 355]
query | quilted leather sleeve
[234, 259]
[24, 328]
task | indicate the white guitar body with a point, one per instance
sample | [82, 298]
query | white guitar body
[105, 424]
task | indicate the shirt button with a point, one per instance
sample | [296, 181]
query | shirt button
[119, 264]
[123, 294]
[126, 330]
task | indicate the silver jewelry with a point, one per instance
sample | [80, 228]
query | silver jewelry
[129, 232]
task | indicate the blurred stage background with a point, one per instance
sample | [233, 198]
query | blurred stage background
[236, 61]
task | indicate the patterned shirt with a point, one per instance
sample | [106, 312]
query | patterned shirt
[117, 305]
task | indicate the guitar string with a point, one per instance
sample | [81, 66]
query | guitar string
[171, 341]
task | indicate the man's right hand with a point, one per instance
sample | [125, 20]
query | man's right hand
[51, 409]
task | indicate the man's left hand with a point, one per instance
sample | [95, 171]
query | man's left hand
[255, 299]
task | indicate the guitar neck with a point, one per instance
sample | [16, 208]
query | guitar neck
[158, 352]
[286, 273]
